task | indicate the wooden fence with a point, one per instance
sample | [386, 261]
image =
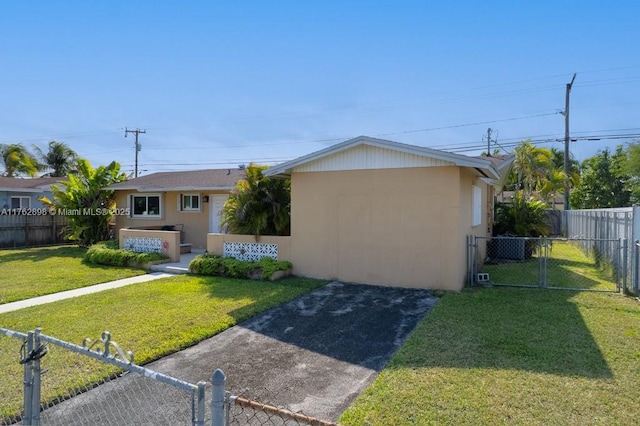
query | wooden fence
[26, 231]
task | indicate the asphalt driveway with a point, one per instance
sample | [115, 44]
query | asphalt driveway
[314, 354]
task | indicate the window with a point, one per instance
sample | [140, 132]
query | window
[189, 202]
[146, 206]
[20, 202]
[476, 206]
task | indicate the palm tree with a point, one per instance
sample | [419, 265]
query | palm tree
[258, 205]
[532, 165]
[17, 160]
[59, 157]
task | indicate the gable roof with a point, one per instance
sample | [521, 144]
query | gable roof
[503, 164]
[15, 184]
[483, 166]
[193, 180]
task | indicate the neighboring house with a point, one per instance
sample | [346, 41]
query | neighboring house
[190, 201]
[380, 212]
[19, 193]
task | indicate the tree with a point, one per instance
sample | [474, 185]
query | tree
[630, 170]
[531, 166]
[602, 182]
[258, 205]
[85, 202]
[59, 158]
[17, 160]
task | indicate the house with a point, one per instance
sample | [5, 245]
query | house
[19, 193]
[188, 201]
[381, 212]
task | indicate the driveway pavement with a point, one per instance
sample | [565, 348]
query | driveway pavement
[314, 354]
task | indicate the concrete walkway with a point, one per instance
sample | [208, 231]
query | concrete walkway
[181, 267]
[41, 300]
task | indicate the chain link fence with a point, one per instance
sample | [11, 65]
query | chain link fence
[555, 263]
[51, 382]
[11, 382]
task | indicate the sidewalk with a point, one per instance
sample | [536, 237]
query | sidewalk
[41, 300]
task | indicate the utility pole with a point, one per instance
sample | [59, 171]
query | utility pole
[137, 133]
[567, 139]
[489, 142]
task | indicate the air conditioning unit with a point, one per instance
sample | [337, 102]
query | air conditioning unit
[482, 277]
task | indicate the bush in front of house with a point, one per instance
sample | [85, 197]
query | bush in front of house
[108, 253]
[210, 264]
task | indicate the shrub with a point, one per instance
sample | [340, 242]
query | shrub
[108, 253]
[209, 264]
[269, 266]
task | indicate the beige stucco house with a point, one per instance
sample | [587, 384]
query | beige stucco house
[188, 201]
[380, 212]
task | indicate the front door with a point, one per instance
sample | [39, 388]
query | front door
[216, 202]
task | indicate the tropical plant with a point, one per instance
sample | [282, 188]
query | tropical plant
[521, 217]
[17, 160]
[258, 205]
[59, 158]
[85, 202]
[603, 182]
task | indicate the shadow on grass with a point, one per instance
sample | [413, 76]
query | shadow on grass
[41, 253]
[508, 329]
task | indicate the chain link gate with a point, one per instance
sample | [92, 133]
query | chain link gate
[551, 263]
[63, 383]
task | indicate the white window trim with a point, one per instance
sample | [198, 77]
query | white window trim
[476, 206]
[21, 198]
[181, 207]
[145, 216]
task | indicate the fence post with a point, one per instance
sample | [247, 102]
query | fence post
[625, 264]
[219, 381]
[37, 372]
[199, 420]
[636, 271]
[28, 380]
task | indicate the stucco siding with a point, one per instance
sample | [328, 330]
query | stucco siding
[396, 227]
[196, 224]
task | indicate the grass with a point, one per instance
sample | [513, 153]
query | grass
[35, 272]
[513, 356]
[151, 319]
[567, 267]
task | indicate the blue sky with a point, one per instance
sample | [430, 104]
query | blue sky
[218, 84]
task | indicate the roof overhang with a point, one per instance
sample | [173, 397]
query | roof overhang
[147, 188]
[483, 167]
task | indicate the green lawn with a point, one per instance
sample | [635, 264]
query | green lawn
[513, 356]
[567, 267]
[35, 272]
[151, 319]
